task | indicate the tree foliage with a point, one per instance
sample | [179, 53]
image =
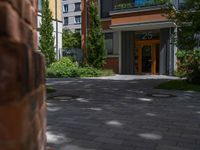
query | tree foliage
[96, 52]
[188, 22]
[71, 40]
[188, 39]
[189, 65]
[46, 39]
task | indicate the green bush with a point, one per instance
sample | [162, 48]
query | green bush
[63, 68]
[89, 72]
[189, 65]
[66, 67]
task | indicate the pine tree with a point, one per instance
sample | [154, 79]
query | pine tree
[46, 40]
[96, 45]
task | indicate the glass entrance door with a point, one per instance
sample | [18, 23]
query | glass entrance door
[146, 59]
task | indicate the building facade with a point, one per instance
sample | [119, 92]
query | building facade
[138, 36]
[56, 9]
[72, 15]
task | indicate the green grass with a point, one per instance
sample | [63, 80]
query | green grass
[50, 89]
[179, 85]
[107, 72]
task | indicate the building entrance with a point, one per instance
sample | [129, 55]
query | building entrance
[146, 59]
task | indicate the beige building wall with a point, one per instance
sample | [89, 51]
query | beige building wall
[52, 5]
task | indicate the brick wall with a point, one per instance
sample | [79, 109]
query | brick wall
[112, 63]
[22, 90]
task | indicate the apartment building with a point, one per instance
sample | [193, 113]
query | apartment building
[72, 15]
[138, 36]
[56, 9]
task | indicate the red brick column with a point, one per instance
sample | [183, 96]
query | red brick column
[84, 28]
[22, 88]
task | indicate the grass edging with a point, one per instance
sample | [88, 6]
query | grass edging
[179, 85]
[50, 89]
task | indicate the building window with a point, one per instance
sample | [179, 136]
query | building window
[77, 19]
[106, 7]
[77, 6]
[142, 3]
[109, 43]
[181, 4]
[66, 21]
[39, 5]
[65, 8]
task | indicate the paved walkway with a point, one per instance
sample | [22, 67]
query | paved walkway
[121, 114]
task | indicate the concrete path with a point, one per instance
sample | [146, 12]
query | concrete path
[122, 114]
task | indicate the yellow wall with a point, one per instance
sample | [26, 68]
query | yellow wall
[59, 9]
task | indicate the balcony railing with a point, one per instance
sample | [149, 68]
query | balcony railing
[131, 4]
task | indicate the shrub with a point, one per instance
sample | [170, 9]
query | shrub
[189, 65]
[89, 72]
[63, 68]
[66, 67]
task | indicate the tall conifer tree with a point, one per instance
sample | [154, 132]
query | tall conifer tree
[96, 44]
[46, 40]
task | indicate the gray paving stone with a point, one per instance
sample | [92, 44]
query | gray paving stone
[117, 114]
[108, 140]
[163, 147]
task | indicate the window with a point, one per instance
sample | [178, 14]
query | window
[66, 20]
[106, 7]
[77, 19]
[65, 8]
[109, 43]
[39, 5]
[181, 4]
[77, 6]
[141, 3]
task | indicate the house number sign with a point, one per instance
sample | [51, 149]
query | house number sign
[147, 36]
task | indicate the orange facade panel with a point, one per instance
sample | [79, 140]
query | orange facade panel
[130, 18]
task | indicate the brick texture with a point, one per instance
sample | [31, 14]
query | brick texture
[22, 88]
[112, 63]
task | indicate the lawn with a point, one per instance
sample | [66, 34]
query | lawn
[179, 85]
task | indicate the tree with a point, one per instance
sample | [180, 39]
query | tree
[71, 40]
[96, 52]
[46, 39]
[188, 39]
[188, 22]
